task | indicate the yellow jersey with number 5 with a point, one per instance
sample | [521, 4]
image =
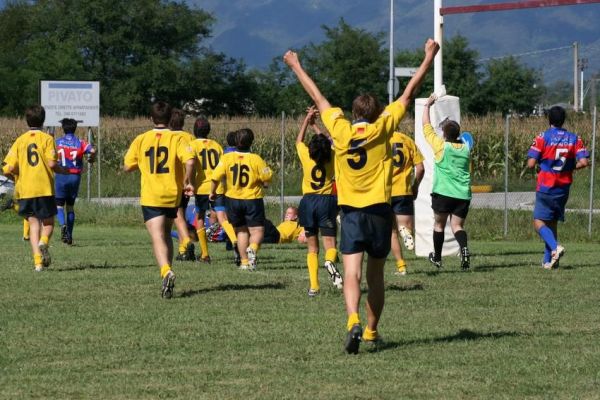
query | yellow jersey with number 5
[363, 163]
[315, 179]
[405, 155]
[29, 156]
[246, 174]
[160, 155]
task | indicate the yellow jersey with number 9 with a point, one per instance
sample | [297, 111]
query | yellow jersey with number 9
[405, 155]
[315, 179]
[245, 173]
[160, 155]
[363, 163]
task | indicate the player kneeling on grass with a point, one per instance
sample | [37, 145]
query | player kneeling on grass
[558, 152]
[31, 162]
[318, 207]
[363, 165]
[451, 192]
[246, 174]
[70, 150]
[160, 155]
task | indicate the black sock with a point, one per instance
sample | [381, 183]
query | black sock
[461, 238]
[438, 243]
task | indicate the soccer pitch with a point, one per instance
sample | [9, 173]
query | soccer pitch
[94, 325]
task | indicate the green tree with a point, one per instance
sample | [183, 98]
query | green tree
[461, 74]
[511, 87]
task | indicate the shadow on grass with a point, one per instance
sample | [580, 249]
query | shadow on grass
[461, 335]
[83, 267]
[233, 287]
[406, 288]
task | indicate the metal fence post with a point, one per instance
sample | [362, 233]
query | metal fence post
[593, 155]
[99, 162]
[89, 168]
[282, 163]
[506, 132]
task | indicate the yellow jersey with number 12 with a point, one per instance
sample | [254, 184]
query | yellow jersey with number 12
[315, 179]
[405, 155]
[160, 155]
[363, 162]
[245, 174]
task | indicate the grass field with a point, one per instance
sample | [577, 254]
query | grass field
[94, 325]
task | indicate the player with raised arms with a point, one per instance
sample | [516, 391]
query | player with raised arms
[363, 171]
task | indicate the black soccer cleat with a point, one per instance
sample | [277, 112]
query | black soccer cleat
[237, 259]
[64, 234]
[437, 263]
[353, 339]
[465, 259]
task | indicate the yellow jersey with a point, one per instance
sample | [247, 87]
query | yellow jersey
[208, 154]
[363, 162]
[245, 174]
[315, 179]
[405, 155]
[289, 231]
[160, 155]
[29, 156]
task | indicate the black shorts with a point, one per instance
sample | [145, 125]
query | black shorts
[318, 211]
[184, 201]
[367, 229]
[39, 207]
[203, 204]
[449, 205]
[245, 212]
[153, 212]
[403, 205]
[272, 235]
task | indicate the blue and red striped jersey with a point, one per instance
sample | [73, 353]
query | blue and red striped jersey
[70, 150]
[556, 151]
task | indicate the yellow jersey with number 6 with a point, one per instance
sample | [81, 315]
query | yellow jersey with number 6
[160, 155]
[245, 173]
[363, 162]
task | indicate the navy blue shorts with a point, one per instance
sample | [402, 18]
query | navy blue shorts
[184, 201]
[318, 211]
[153, 212]
[39, 207]
[550, 207]
[367, 229]
[245, 212]
[449, 205]
[403, 205]
[66, 188]
[203, 204]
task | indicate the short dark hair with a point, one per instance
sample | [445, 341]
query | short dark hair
[231, 139]
[319, 149]
[556, 116]
[201, 127]
[451, 130]
[366, 106]
[161, 112]
[245, 138]
[177, 119]
[35, 116]
[69, 125]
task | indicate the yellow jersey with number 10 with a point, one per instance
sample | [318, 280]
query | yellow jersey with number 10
[160, 155]
[405, 155]
[315, 179]
[208, 154]
[245, 174]
[363, 162]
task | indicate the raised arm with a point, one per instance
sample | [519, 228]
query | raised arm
[292, 61]
[308, 120]
[431, 49]
[428, 103]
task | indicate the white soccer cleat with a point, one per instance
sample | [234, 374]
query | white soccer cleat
[556, 255]
[334, 275]
[251, 258]
[407, 238]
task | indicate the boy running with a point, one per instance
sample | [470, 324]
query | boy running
[363, 171]
[31, 162]
[160, 155]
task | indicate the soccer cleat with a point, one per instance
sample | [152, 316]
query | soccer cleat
[168, 285]
[313, 292]
[353, 339]
[437, 263]
[247, 267]
[205, 260]
[334, 275]
[251, 258]
[64, 234]
[547, 265]
[465, 258]
[237, 259]
[189, 252]
[374, 345]
[401, 270]
[556, 255]
[46, 259]
[39, 268]
[407, 238]
[181, 257]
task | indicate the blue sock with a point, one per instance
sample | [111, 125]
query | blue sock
[60, 215]
[547, 254]
[70, 222]
[548, 237]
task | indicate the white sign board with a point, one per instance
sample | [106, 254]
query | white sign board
[79, 100]
[404, 71]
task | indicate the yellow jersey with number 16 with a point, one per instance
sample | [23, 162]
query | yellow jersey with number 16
[245, 173]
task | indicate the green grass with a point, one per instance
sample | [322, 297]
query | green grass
[94, 325]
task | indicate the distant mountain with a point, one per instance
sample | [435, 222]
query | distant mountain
[258, 30]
